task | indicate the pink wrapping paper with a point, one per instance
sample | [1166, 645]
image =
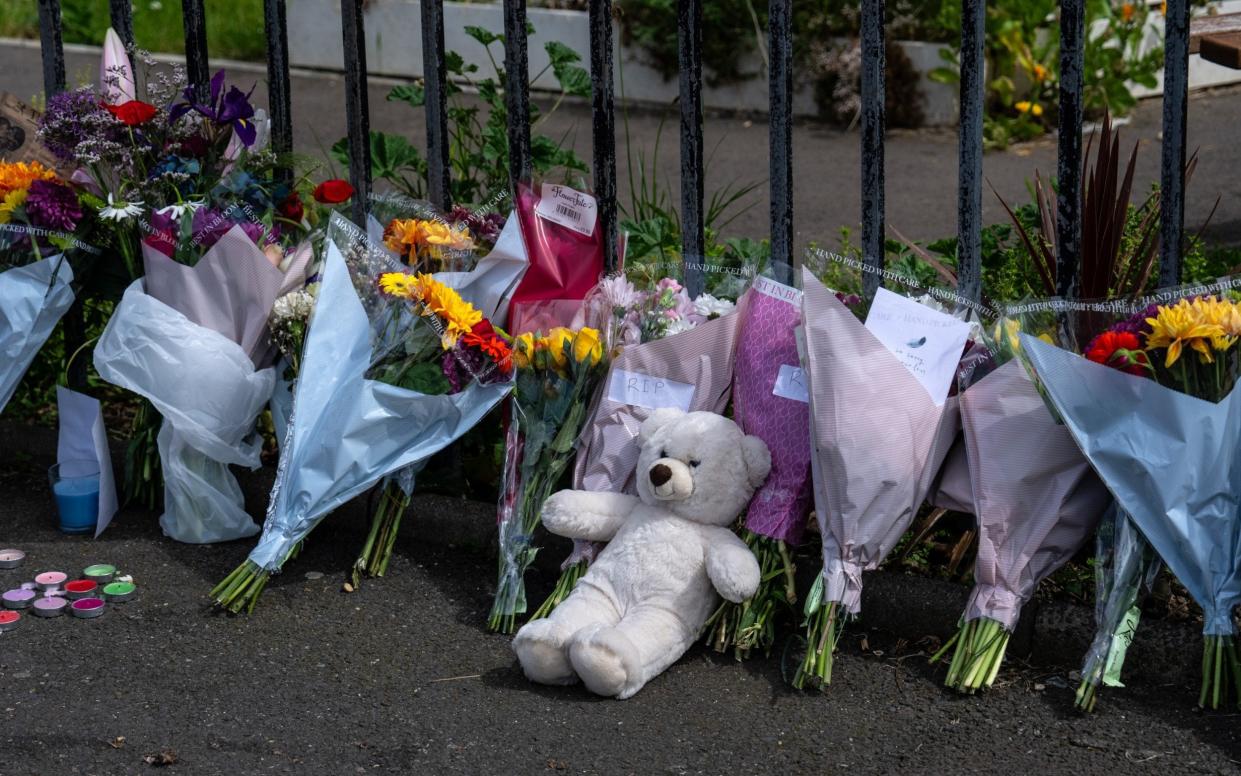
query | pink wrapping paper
[230, 290]
[701, 357]
[564, 264]
[877, 442]
[766, 343]
[1037, 498]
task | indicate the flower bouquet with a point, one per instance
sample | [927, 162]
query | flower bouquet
[395, 368]
[556, 378]
[1155, 410]
[770, 400]
[39, 216]
[1035, 497]
[669, 351]
[877, 394]
[426, 242]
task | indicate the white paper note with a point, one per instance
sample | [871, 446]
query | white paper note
[791, 384]
[653, 393]
[568, 207]
[929, 343]
[83, 437]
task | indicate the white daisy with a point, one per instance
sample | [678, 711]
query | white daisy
[179, 209]
[712, 307]
[119, 209]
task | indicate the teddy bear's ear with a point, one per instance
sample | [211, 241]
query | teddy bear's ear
[657, 420]
[757, 459]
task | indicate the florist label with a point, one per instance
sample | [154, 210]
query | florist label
[568, 207]
[791, 384]
[927, 342]
[653, 393]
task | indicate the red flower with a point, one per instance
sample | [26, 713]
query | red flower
[291, 208]
[1119, 350]
[133, 113]
[333, 192]
[483, 337]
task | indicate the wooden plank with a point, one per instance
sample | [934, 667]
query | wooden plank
[1224, 50]
[1211, 26]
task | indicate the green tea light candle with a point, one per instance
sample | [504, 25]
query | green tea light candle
[117, 592]
[101, 573]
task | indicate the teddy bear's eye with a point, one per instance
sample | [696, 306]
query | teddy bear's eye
[663, 453]
[694, 463]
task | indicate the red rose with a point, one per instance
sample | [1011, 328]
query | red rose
[291, 208]
[333, 192]
[133, 113]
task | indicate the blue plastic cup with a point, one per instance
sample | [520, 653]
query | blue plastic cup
[75, 485]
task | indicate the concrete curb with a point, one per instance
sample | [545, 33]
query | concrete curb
[1055, 634]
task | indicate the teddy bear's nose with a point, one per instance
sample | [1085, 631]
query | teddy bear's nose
[660, 474]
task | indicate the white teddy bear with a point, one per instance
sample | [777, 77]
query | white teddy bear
[647, 596]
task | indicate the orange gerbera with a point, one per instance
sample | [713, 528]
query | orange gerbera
[17, 176]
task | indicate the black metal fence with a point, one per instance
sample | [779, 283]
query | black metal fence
[1072, 38]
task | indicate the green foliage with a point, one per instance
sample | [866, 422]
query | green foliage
[478, 133]
[1022, 60]
[234, 27]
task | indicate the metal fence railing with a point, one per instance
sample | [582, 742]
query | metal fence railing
[1072, 38]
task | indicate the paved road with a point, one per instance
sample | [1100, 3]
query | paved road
[401, 678]
[921, 165]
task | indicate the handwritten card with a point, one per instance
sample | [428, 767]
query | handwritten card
[927, 342]
[653, 393]
[568, 207]
[791, 384]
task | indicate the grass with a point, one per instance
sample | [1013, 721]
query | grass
[234, 27]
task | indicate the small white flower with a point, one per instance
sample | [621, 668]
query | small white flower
[178, 209]
[294, 306]
[119, 209]
[711, 307]
[678, 326]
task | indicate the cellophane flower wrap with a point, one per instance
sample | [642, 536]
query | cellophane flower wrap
[557, 374]
[1153, 405]
[427, 241]
[878, 438]
[770, 401]
[42, 229]
[1035, 496]
[395, 368]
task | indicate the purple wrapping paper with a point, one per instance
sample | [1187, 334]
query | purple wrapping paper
[768, 342]
[230, 290]
[1037, 498]
[701, 357]
[877, 442]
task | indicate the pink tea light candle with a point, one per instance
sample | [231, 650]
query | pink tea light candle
[50, 579]
[88, 607]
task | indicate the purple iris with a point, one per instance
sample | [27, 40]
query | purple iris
[231, 107]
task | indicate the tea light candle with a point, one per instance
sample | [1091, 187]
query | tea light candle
[119, 591]
[9, 620]
[100, 573]
[11, 559]
[49, 607]
[80, 588]
[18, 599]
[88, 607]
[50, 579]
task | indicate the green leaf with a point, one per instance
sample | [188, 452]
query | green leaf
[427, 378]
[483, 36]
[560, 54]
[393, 154]
[573, 79]
[455, 63]
[414, 94]
[944, 75]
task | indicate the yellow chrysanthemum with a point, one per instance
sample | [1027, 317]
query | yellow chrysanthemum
[444, 236]
[458, 315]
[404, 236]
[587, 347]
[13, 200]
[400, 284]
[16, 176]
[1176, 326]
[1221, 313]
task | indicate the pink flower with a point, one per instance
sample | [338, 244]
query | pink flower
[116, 74]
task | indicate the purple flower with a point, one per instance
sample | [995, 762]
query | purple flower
[72, 118]
[485, 227]
[1136, 324]
[53, 206]
[231, 107]
[462, 365]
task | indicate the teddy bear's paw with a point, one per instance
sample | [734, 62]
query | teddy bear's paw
[540, 648]
[607, 661]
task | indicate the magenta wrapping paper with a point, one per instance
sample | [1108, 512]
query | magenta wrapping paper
[766, 343]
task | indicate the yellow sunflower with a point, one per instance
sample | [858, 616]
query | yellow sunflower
[13, 200]
[458, 315]
[1176, 326]
[400, 284]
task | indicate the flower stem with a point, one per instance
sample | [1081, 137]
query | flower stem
[564, 586]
